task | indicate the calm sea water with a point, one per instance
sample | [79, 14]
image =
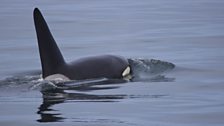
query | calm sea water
[187, 33]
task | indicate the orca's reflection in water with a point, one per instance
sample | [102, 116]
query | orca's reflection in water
[80, 93]
[69, 92]
[46, 113]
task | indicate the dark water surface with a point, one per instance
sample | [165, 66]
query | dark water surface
[187, 33]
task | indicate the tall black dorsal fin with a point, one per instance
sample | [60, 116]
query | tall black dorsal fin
[51, 57]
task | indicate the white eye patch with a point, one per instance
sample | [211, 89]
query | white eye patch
[126, 72]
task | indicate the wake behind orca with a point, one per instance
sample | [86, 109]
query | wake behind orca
[55, 67]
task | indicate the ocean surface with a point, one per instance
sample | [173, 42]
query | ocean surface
[186, 33]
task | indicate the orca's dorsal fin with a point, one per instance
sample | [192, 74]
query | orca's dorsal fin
[50, 55]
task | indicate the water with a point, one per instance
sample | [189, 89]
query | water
[188, 34]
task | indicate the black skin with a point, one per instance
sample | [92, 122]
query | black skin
[108, 66]
[52, 61]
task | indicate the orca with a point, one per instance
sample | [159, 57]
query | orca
[55, 67]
